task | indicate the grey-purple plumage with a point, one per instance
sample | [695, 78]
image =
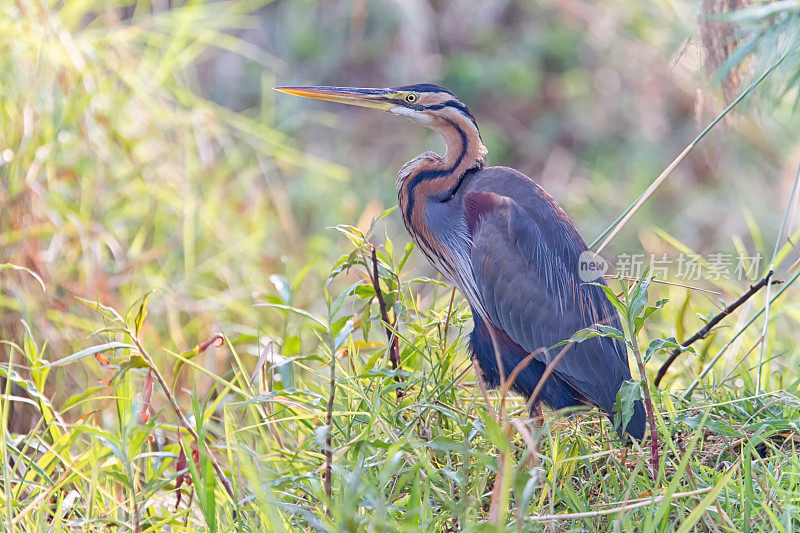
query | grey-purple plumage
[522, 281]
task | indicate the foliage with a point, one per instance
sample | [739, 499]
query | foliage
[426, 458]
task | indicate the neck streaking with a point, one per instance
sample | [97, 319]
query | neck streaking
[429, 177]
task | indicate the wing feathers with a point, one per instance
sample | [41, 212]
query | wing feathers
[525, 266]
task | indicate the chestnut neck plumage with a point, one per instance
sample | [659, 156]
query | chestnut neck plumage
[430, 177]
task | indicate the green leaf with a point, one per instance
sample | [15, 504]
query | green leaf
[639, 297]
[337, 304]
[134, 361]
[669, 343]
[613, 299]
[406, 255]
[389, 249]
[370, 364]
[495, 432]
[582, 335]
[377, 218]
[364, 291]
[340, 264]
[26, 270]
[351, 232]
[430, 281]
[597, 330]
[629, 393]
[141, 314]
[321, 437]
[282, 286]
[342, 329]
[295, 310]
[389, 299]
[109, 311]
[88, 352]
[203, 481]
[639, 320]
[27, 385]
[610, 331]
[366, 323]
[32, 352]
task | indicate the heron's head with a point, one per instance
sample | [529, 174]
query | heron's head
[424, 103]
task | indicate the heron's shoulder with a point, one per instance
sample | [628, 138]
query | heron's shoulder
[512, 183]
[505, 179]
[521, 197]
[503, 172]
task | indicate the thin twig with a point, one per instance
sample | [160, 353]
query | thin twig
[394, 347]
[328, 437]
[764, 338]
[612, 230]
[706, 329]
[719, 355]
[648, 401]
[175, 407]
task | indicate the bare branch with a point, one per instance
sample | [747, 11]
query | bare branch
[391, 337]
[175, 407]
[705, 330]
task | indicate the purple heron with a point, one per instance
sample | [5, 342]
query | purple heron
[509, 248]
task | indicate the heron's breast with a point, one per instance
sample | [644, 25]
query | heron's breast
[440, 231]
[438, 253]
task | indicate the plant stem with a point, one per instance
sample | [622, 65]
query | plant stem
[648, 401]
[623, 219]
[328, 438]
[394, 347]
[175, 407]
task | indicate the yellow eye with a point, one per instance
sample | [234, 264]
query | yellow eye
[411, 98]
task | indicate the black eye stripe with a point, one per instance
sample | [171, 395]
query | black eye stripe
[419, 107]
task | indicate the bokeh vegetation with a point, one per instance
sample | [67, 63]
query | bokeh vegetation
[154, 191]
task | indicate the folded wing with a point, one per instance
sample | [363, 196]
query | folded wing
[525, 263]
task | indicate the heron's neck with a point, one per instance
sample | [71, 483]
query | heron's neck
[464, 150]
[430, 176]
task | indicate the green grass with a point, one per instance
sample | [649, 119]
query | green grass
[431, 457]
[139, 219]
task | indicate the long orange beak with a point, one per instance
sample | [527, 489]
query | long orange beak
[371, 98]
